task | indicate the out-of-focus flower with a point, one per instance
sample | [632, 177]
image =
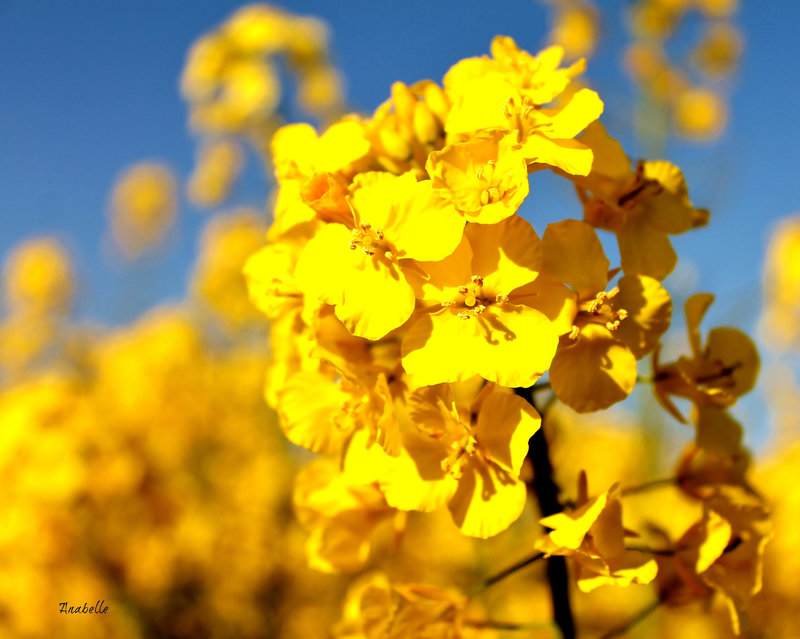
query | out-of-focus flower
[38, 278]
[218, 281]
[781, 320]
[218, 165]
[699, 114]
[143, 208]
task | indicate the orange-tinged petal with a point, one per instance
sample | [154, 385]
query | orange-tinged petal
[573, 254]
[594, 373]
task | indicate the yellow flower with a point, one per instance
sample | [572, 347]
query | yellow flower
[462, 446]
[717, 373]
[341, 515]
[595, 365]
[474, 323]
[485, 178]
[38, 278]
[700, 114]
[719, 50]
[218, 164]
[406, 128]
[362, 271]
[142, 208]
[299, 155]
[781, 321]
[726, 548]
[642, 206]
[576, 29]
[376, 609]
[217, 280]
[507, 92]
[592, 536]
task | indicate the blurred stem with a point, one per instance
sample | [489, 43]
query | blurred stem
[656, 483]
[643, 614]
[546, 492]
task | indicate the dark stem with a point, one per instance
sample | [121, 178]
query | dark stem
[546, 492]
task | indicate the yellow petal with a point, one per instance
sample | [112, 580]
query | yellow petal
[507, 255]
[571, 156]
[736, 351]
[583, 108]
[695, 309]
[574, 255]
[609, 158]
[717, 432]
[594, 373]
[515, 346]
[569, 528]
[309, 406]
[649, 310]
[644, 250]
[438, 348]
[488, 500]
[505, 424]
[670, 210]
[557, 301]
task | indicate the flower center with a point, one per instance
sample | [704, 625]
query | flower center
[472, 300]
[601, 310]
[370, 241]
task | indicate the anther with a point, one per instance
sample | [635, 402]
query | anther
[477, 279]
[353, 245]
[500, 298]
[367, 251]
[447, 303]
[574, 332]
[365, 226]
[463, 315]
[463, 290]
[388, 255]
[379, 233]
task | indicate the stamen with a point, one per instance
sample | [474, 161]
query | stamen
[463, 290]
[388, 255]
[365, 226]
[353, 245]
[477, 279]
[367, 251]
[379, 233]
[464, 315]
[500, 298]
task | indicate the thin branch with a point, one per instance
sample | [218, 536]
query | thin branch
[508, 571]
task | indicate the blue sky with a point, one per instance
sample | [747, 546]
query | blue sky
[90, 87]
